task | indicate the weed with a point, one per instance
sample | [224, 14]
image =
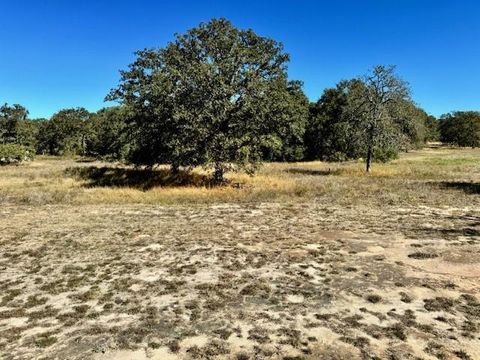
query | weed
[373, 298]
[45, 340]
[422, 255]
[438, 304]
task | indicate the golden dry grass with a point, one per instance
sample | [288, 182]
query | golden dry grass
[428, 176]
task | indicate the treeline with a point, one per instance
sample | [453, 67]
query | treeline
[460, 128]
[69, 132]
[220, 96]
[320, 132]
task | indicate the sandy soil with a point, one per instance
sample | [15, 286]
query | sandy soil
[273, 281]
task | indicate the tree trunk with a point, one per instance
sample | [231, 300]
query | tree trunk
[174, 168]
[218, 174]
[370, 143]
[369, 157]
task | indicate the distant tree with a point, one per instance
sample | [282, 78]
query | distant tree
[108, 137]
[371, 117]
[331, 133]
[10, 118]
[411, 122]
[66, 133]
[377, 107]
[216, 95]
[460, 128]
[27, 133]
[432, 130]
[46, 139]
[17, 135]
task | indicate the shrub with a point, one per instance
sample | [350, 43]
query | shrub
[385, 154]
[14, 154]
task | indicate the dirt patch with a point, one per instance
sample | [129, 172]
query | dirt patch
[226, 282]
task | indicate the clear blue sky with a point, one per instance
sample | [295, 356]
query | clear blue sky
[58, 54]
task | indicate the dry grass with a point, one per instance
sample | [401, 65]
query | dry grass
[303, 261]
[422, 177]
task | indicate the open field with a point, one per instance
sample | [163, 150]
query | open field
[434, 177]
[303, 261]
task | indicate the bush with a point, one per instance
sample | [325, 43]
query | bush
[14, 154]
[385, 154]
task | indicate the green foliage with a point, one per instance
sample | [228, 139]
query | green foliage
[411, 125]
[14, 154]
[16, 128]
[46, 139]
[385, 153]
[216, 95]
[380, 107]
[65, 134]
[461, 128]
[10, 118]
[432, 129]
[372, 118]
[28, 132]
[296, 109]
[108, 137]
[331, 133]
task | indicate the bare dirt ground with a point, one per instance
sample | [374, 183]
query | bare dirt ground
[268, 280]
[263, 280]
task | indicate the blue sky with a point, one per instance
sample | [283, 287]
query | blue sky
[58, 54]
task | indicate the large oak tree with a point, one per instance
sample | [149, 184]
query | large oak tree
[216, 95]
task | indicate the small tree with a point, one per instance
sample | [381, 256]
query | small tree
[216, 95]
[376, 107]
[342, 124]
